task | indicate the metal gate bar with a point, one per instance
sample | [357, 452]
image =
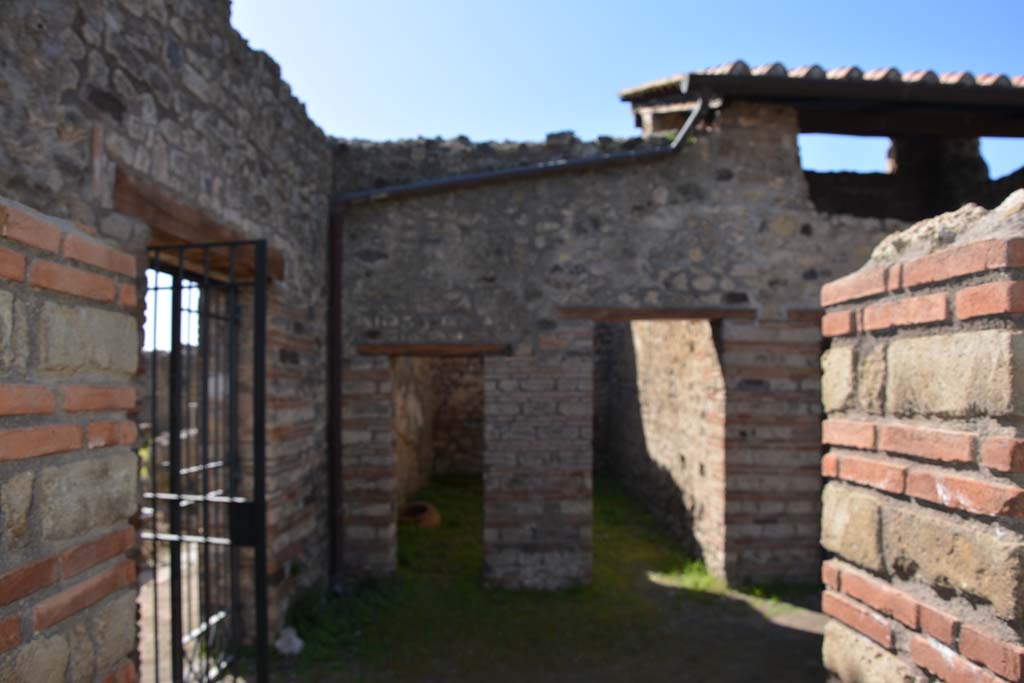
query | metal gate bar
[206, 494]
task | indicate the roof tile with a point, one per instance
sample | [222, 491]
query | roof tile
[920, 76]
[993, 80]
[845, 73]
[809, 71]
[957, 78]
[884, 74]
[776, 70]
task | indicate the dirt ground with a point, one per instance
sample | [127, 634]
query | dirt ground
[651, 615]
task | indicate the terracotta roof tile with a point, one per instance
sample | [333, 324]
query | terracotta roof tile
[920, 76]
[887, 73]
[809, 71]
[739, 68]
[842, 73]
[957, 78]
[992, 80]
[777, 69]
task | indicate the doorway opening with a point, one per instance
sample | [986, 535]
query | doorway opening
[438, 433]
[659, 415]
[203, 571]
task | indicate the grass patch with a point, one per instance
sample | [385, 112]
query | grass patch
[437, 605]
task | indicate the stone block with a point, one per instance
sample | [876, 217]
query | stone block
[87, 494]
[44, 660]
[837, 379]
[850, 525]
[871, 380]
[113, 628]
[957, 375]
[112, 340]
[855, 659]
[15, 501]
[976, 559]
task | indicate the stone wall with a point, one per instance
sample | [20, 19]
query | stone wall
[659, 425]
[168, 96]
[69, 347]
[459, 420]
[924, 389]
[538, 469]
[926, 176]
[415, 407]
[726, 225]
[438, 407]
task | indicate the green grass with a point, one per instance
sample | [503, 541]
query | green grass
[437, 602]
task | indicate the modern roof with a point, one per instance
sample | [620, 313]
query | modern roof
[829, 100]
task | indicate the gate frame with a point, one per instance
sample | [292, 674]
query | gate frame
[246, 517]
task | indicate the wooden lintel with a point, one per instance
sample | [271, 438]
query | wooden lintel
[614, 315]
[173, 222]
[434, 350]
[911, 123]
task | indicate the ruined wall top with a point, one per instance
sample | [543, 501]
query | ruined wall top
[969, 223]
[366, 164]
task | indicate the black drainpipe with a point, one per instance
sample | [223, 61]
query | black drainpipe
[335, 253]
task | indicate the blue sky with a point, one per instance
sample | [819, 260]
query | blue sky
[386, 69]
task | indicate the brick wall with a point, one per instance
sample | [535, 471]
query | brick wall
[538, 478]
[772, 428]
[69, 347]
[659, 425]
[924, 390]
[369, 486]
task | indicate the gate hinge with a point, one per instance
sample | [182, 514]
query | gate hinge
[244, 529]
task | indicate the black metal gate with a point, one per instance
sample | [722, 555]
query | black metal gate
[203, 597]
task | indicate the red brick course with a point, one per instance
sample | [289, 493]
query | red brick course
[22, 227]
[1005, 659]
[947, 666]
[106, 433]
[26, 399]
[994, 298]
[858, 618]
[12, 265]
[76, 560]
[881, 596]
[848, 433]
[61, 278]
[965, 493]
[939, 625]
[84, 594]
[878, 474]
[967, 260]
[31, 442]
[934, 444]
[857, 285]
[25, 580]
[92, 398]
[914, 310]
[837, 324]
[10, 633]
[1003, 454]
[93, 253]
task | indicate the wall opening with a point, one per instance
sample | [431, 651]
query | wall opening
[659, 405]
[438, 440]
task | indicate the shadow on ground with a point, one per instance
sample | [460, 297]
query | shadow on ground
[652, 614]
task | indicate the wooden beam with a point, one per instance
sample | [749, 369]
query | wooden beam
[174, 222]
[434, 350]
[612, 315]
[891, 123]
